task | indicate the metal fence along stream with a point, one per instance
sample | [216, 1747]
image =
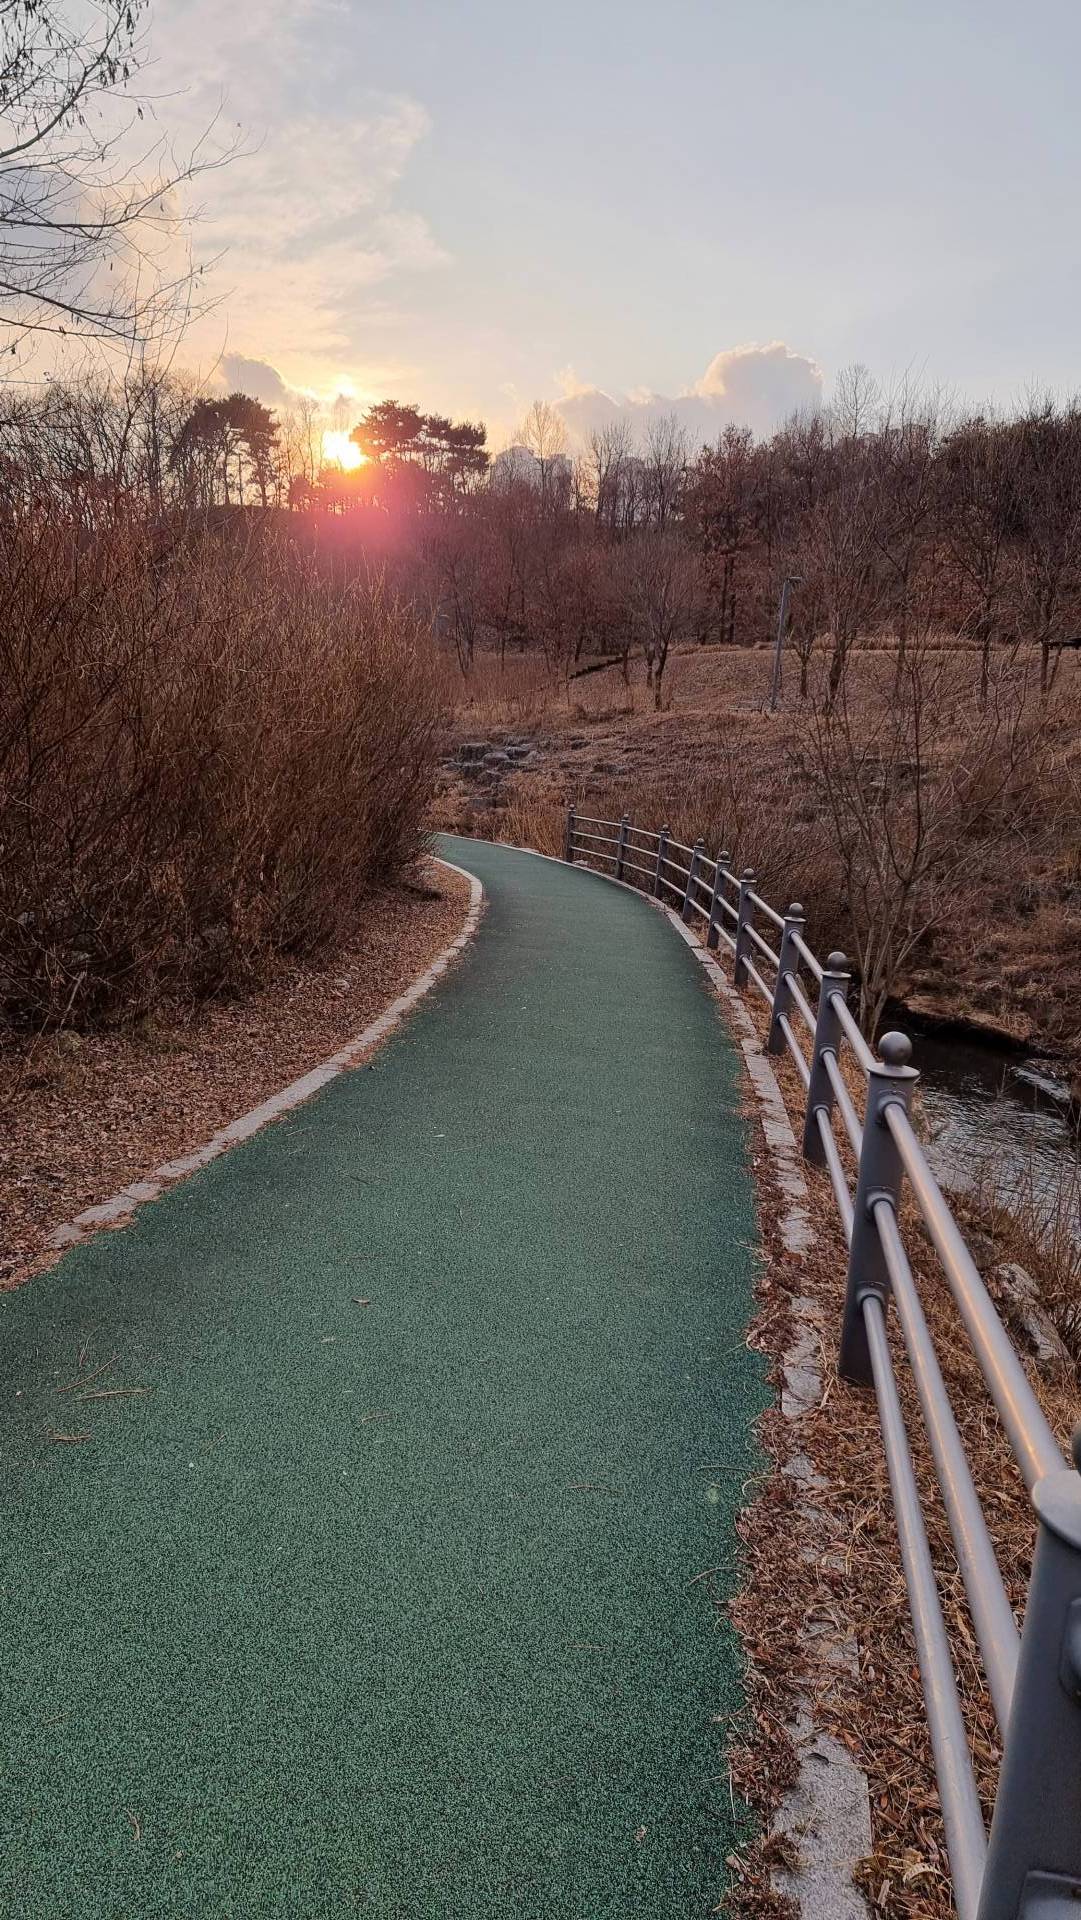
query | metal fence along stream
[1028, 1867]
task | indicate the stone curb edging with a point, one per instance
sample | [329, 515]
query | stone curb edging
[827, 1814]
[118, 1209]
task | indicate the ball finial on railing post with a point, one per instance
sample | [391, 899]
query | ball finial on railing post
[895, 1049]
[837, 962]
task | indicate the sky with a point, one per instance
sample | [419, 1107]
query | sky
[624, 206]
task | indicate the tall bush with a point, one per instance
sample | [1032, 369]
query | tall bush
[208, 755]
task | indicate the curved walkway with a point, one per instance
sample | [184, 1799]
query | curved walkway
[374, 1591]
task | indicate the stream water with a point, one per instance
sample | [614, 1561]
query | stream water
[987, 1108]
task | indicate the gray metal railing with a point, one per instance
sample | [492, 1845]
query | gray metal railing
[1029, 1866]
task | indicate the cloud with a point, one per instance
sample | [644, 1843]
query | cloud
[312, 225]
[312, 216]
[339, 404]
[750, 386]
[257, 378]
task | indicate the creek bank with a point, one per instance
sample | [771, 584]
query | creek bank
[998, 1117]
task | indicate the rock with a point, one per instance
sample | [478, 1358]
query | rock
[496, 758]
[1023, 1299]
[472, 750]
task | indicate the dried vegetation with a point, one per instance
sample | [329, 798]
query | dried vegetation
[207, 757]
[933, 838]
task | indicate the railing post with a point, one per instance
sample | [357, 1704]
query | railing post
[879, 1178]
[712, 935]
[621, 849]
[827, 1040]
[662, 849]
[788, 963]
[745, 920]
[692, 875]
[568, 836]
[1034, 1853]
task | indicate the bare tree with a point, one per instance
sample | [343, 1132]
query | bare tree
[302, 439]
[665, 464]
[908, 783]
[1049, 513]
[543, 433]
[978, 475]
[605, 465]
[719, 505]
[509, 516]
[842, 529]
[663, 584]
[451, 553]
[82, 228]
[903, 455]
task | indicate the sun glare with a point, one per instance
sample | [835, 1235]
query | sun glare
[340, 451]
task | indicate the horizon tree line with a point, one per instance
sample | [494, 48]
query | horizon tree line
[898, 517]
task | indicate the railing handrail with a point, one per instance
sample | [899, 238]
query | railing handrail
[850, 1027]
[813, 966]
[1034, 1677]
[1035, 1448]
[770, 912]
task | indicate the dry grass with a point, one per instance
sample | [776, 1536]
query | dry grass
[1038, 1229]
[207, 756]
[518, 693]
[1001, 949]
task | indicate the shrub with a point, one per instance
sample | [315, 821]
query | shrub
[207, 756]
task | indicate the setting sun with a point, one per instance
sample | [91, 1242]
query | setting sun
[340, 451]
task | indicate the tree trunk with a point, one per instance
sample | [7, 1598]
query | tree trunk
[838, 662]
[902, 644]
[985, 657]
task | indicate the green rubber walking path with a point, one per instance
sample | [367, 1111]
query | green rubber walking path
[392, 1609]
